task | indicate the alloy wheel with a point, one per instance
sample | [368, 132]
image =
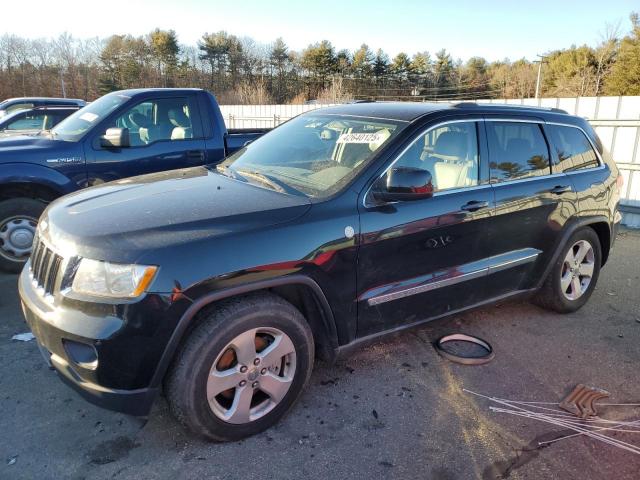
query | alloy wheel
[251, 375]
[577, 270]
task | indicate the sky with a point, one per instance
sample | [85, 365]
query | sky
[494, 29]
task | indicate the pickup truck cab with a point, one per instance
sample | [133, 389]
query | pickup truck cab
[122, 134]
[344, 224]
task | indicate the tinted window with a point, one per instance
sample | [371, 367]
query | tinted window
[572, 149]
[517, 149]
[156, 120]
[449, 153]
[19, 106]
[31, 121]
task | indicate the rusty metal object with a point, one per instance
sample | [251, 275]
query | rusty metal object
[581, 400]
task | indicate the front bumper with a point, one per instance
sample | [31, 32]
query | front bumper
[101, 330]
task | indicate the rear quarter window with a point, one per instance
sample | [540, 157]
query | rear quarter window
[571, 149]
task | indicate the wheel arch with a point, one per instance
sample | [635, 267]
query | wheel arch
[299, 290]
[34, 181]
[37, 191]
[599, 224]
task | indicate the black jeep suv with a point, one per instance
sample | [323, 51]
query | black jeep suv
[221, 284]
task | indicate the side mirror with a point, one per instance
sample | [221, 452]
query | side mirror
[115, 138]
[402, 184]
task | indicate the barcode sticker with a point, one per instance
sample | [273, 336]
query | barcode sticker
[361, 138]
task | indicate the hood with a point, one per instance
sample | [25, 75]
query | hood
[13, 146]
[122, 220]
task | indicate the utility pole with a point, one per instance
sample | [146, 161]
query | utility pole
[539, 62]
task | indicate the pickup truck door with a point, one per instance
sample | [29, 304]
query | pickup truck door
[165, 133]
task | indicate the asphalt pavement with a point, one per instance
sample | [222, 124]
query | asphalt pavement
[393, 410]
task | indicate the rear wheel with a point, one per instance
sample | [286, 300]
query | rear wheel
[18, 221]
[574, 275]
[242, 368]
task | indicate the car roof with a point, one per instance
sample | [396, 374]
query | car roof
[137, 91]
[41, 99]
[410, 111]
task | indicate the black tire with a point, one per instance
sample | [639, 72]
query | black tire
[17, 207]
[185, 384]
[551, 296]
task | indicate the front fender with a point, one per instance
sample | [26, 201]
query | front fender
[211, 297]
[36, 174]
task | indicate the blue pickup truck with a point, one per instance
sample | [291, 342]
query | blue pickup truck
[123, 134]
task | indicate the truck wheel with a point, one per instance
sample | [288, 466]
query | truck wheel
[242, 368]
[18, 221]
[574, 275]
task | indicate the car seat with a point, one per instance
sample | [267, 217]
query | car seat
[181, 124]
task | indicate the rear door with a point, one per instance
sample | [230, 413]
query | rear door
[423, 258]
[165, 133]
[533, 203]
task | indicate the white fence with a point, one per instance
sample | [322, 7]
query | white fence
[616, 119]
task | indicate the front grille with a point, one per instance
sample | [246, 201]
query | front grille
[45, 265]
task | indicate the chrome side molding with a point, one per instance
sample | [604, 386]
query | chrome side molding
[445, 278]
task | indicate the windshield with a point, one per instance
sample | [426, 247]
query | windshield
[76, 125]
[311, 155]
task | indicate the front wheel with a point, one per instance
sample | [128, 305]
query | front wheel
[242, 368]
[574, 275]
[18, 221]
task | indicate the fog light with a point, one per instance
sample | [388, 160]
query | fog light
[81, 354]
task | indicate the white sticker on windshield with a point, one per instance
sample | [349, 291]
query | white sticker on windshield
[361, 138]
[89, 117]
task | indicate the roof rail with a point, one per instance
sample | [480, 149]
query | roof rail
[508, 105]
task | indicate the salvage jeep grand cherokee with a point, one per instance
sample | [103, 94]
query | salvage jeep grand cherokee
[221, 284]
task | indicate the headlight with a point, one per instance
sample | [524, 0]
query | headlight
[114, 280]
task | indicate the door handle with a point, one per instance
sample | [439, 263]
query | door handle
[195, 154]
[560, 189]
[474, 205]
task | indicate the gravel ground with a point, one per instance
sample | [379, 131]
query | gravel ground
[393, 410]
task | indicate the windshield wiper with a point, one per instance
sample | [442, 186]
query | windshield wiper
[270, 180]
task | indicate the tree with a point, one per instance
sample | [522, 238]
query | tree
[280, 61]
[380, 65]
[475, 78]
[570, 72]
[215, 50]
[443, 73]
[624, 78]
[400, 66]
[362, 64]
[344, 63]
[320, 61]
[164, 50]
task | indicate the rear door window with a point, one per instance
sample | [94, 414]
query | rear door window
[571, 149]
[516, 150]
